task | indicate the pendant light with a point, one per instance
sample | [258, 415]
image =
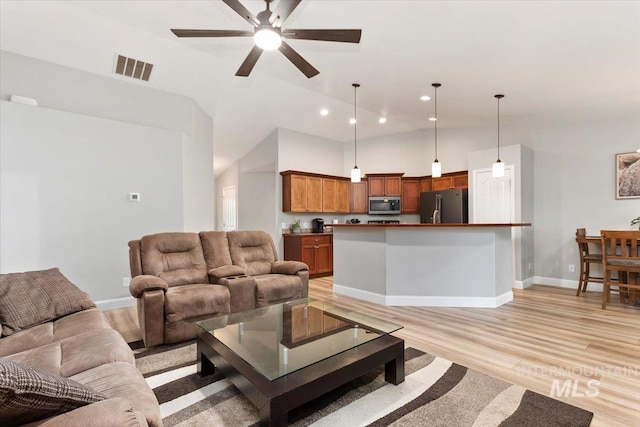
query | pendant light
[436, 167]
[498, 166]
[355, 172]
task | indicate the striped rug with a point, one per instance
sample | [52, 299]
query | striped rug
[436, 392]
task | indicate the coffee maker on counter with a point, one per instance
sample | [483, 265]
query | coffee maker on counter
[317, 225]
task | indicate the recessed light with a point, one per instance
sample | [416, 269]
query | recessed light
[382, 120]
[425, 98]
[433, 119]
[324, 112]
[352, 121]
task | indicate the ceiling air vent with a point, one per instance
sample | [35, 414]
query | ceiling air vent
[133, 68]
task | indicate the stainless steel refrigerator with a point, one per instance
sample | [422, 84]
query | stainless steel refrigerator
[452, 206]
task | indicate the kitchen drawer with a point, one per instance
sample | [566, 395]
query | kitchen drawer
[315, 240]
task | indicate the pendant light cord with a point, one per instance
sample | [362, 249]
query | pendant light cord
[355, 124]
[498, 97]
[498, 128]
[436, 122]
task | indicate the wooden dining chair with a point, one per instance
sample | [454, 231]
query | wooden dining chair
[620, 253]
[586, 259]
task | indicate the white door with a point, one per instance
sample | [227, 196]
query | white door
[229, 209]
[493, 198]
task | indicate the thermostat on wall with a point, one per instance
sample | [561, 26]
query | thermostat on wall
[134, 197]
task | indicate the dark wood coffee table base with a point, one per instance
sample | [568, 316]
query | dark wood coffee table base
[276, 398]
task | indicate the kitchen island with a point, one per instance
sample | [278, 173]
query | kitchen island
[446, 265]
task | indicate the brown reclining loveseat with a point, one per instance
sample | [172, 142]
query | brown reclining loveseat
[179, 278]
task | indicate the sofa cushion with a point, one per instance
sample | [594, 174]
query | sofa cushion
[27, 394]
[116, 412]
[252, 250]
[215, 247]
[123, 380]
[34, 297]
[175, 257]
[47, 333]
[78, 353]
[276, 288]
[192, 301]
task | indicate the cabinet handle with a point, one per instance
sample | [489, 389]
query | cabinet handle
[317, 247]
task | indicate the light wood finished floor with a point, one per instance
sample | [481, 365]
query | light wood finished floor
[545, 334]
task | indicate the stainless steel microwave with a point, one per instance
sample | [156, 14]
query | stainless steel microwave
[384, 206]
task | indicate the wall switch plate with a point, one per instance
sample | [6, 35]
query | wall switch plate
[134, 197]
[572, 268]
[125, 282]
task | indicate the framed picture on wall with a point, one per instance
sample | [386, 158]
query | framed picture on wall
[628, 175]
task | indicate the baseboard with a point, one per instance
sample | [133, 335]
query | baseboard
[110, 304]
[523, 284]
[565, 283]
[424, 301]
[360, 294]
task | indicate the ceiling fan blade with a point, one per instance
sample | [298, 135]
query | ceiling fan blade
[346, 36]
[282, 12]
[242, 11]
[249, 62]
[297, 60]
[211, 33]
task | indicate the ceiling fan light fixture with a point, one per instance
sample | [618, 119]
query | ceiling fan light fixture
[267, 38]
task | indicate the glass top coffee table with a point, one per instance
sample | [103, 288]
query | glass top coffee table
[285, 355]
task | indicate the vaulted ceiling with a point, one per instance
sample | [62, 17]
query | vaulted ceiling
[571, 62]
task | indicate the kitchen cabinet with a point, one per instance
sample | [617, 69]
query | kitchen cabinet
[314, 194]
[343, 189]
[452, 180]
[301, 193]
[385, 184]
[315, 250]
[425, 184]
[329, 195]
[359, 197]
[304, 192]
[410, 195]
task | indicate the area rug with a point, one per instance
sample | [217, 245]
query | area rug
[436, 392]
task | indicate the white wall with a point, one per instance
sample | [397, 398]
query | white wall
[197, 167]
[65, 179]
[121, 104]
[257, 207]
[228, 178]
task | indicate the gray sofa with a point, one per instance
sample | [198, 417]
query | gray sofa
[54, 341]
[179, 278]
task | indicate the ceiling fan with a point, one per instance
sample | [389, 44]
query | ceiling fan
[268, 35]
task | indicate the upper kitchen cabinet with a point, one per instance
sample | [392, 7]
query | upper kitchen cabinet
[425, 184]
[329, 195]
[410, 195]
[385, 184]
[359, 199]
[343, 188]
[305, 192]
[450, 180]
